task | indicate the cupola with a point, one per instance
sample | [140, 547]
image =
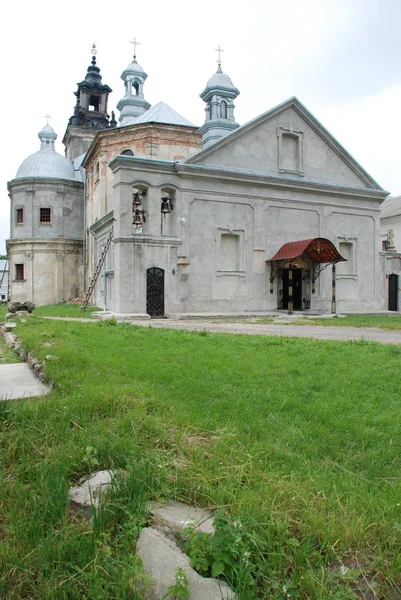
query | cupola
[133, 103]
[47, 162]
[219, 95]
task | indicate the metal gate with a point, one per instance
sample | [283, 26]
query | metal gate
[155, 292]
[393, 292]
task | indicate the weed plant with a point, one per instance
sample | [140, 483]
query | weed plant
[296, 440]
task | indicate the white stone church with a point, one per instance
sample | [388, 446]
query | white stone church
[222, 218]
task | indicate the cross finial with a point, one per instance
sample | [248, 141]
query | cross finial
[135, 45]
[47, 117]
[219, 50]
[93, 50]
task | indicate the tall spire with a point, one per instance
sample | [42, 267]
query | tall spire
[219, 94]
[133, 103]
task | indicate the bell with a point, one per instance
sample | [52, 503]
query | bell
[137, 218]
[165, 206]
[137, 199]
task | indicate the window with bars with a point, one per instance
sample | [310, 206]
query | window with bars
[19, 219]
[45, 215]
[19, 272]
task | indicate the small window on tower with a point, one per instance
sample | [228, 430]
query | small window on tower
[223, 110]
[45, 216]
[127, 152]
[20, 216]
[19, 272]
[94, 102]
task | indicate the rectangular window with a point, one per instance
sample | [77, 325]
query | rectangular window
[45, 215]
[19, 272]
[20, 216]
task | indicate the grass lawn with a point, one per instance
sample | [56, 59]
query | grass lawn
[65, 310]
[298, 441]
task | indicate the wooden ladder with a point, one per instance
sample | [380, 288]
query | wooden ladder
[97, 272]
[4, 272]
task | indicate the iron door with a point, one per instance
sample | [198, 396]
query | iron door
[296, 288]
[155, 292]
[393, 292]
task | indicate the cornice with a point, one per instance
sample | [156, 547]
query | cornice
[204, 171]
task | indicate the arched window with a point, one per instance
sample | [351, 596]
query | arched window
[127, 152]
[135, 86]
[223, 110]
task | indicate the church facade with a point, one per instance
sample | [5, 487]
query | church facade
[221, 218]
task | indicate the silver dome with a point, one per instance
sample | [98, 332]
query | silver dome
[46, 162]
[220, 79]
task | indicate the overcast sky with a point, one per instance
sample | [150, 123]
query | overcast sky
[341, 58]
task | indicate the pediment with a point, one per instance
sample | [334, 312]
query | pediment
[287, 141]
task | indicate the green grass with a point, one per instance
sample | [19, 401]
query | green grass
[297, 439]
[65, 310]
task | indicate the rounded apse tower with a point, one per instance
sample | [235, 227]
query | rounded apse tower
[46, 227]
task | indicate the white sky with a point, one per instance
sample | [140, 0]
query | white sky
[341, 58]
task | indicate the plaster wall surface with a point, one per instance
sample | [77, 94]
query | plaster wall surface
[65, 200]
[52, 270]
[257, 220]
[258, 149]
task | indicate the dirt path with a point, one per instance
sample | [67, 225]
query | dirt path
[320, 332]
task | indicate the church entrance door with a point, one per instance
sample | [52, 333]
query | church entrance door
[155, 292]
[296, 288]
[392, 292]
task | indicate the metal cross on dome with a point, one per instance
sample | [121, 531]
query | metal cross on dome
[47, 117]
[135, 43]
[219, 50]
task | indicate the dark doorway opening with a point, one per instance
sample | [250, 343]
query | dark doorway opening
[155, 292]
[296, 288]
[393, 292]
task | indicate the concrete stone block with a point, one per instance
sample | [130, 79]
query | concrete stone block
[174, 517]
[161, 559]
[91, 489]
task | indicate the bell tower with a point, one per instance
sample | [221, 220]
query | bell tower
[90, 112]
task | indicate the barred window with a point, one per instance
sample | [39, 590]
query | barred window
[19, 272]
[45, 215]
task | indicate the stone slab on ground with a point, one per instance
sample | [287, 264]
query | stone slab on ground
[91, 488]
[17, 382]
[161, 559]
[176, 516]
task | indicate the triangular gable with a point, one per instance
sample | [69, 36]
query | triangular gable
[287, 140]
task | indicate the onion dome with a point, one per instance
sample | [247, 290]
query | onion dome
[47, 162]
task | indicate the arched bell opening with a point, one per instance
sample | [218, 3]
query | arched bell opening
[168, 212]
[139, 208]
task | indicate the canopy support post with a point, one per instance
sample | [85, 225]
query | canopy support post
[290, 292]
[333, 290]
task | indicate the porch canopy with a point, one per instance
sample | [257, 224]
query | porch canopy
[319, 250]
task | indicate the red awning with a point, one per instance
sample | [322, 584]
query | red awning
[319, 250]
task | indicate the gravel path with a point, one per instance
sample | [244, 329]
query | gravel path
[319, 332]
